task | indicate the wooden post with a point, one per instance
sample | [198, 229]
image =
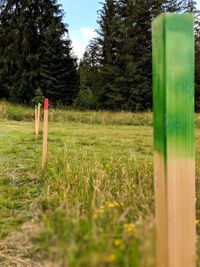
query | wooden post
[174, 161]
[45, 133]
[36, 120]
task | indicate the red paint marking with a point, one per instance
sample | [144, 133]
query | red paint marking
[46, 103]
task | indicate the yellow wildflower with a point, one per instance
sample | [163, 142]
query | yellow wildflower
[117, 204]
[114, 204]
[197, 222]
[129, 227]
[111, 205]
[101, 209]
[110, 258]
[118, 242]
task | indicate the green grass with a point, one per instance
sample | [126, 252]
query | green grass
[93, 205]
[16, 112]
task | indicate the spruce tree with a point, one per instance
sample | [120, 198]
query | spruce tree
[110, 96]
[58, 79]
[35, 54]
[125, 64]
[89, 68]
[136, 53]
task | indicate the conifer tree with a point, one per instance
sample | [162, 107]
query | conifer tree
[89, 67]
[110, 96]
[125, 65]
[35, 52]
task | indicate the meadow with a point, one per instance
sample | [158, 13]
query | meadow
[93, 205]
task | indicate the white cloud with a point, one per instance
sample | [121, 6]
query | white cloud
[88, 33]
[78, 48]
[80, 40]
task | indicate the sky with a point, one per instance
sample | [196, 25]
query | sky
[81, 16]
[198, 4]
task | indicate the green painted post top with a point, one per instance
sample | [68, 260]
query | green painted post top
[173, 84]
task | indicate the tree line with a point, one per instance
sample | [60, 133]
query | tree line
[116, 70]
[115, 73]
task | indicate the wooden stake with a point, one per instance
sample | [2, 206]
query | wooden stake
[174, 162]
[36, 120]
[45, 133]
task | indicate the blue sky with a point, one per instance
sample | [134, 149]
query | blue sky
[198, 3]
[81, 16]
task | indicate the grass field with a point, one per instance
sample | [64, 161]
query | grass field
[94, 203]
